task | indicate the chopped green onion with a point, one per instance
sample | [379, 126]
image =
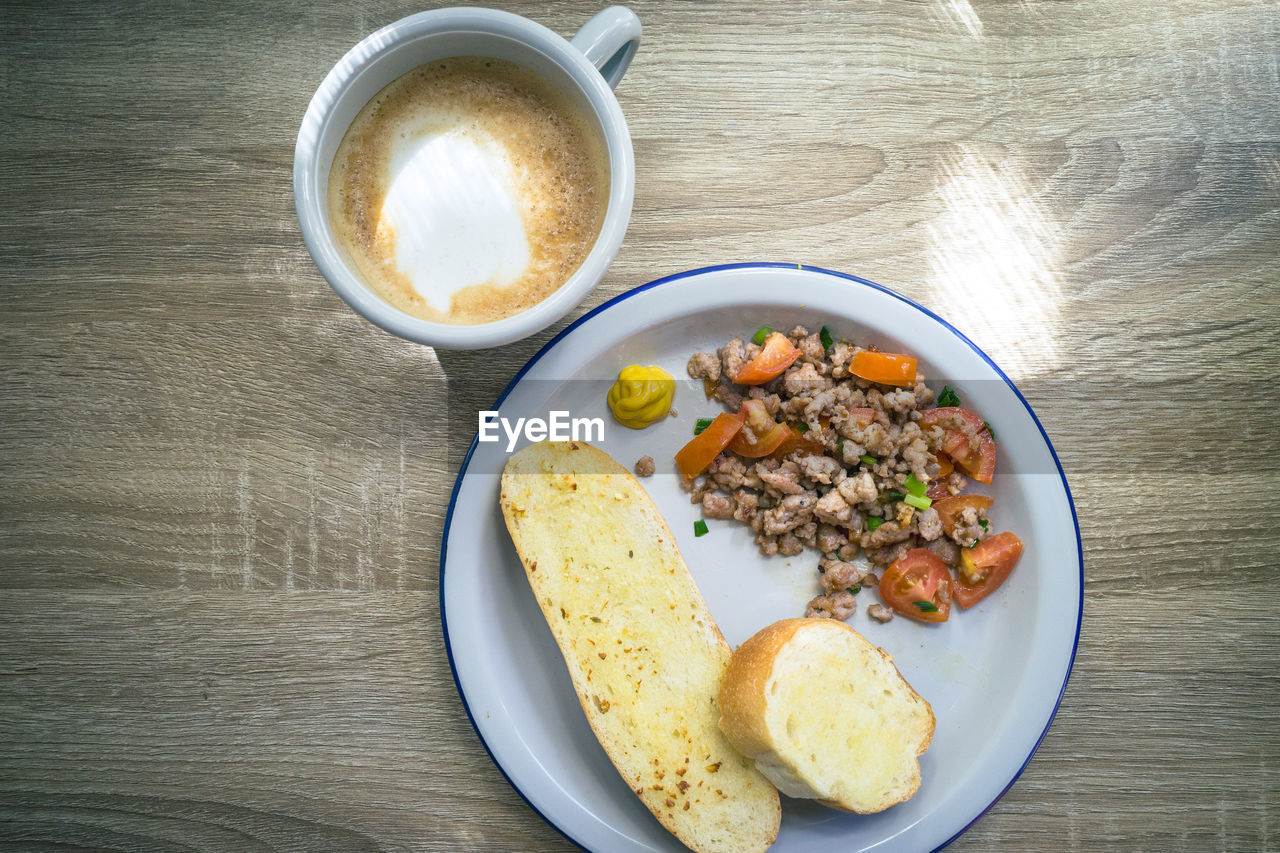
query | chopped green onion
[840, 449]
[825, 337]
[762, 333]
[988, 428]
[802, 427]
[854, 590]
[916, 487]
[948, 397]
[699, 528]
[702, 424]
[873, 522]
[984, 524]
[917, 501]
[895, 496]
[926, 606]
[868, 459]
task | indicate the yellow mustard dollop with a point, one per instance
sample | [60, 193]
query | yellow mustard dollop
[641, 396]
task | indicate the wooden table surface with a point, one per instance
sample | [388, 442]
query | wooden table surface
[223, 492]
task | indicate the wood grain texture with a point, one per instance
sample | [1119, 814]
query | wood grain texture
[223, 492]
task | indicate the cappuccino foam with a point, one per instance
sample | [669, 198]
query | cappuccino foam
[468, 190]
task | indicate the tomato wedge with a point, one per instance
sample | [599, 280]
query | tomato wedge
[777, 355]
[949, 509]
[981, 463]
[805, 441]
[945, 465]
[985, 566]
[918, 586]
[978, 462]
[694, 457]
[766, 444]
[937, 489]
[887, 368]
[769, 434]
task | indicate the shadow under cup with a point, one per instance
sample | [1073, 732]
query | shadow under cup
[394, 51]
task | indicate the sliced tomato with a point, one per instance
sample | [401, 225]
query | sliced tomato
[776, 356]
[956, 446]
[950, 507]
[694, 457]
[766, 444]
[949, 417]
[887, 368]
[809, 440]
[769, 434]
[985, 566]
[978, 462]
[945, 465]
[805, 441]
[918, 586]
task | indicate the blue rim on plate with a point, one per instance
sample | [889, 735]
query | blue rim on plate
[457, 484]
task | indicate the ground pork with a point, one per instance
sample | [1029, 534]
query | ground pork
[789, 545]
[929, 524]
[746, 503]
[859, 489]
[837, 575]
[968, 529]
[819, 469]
[886, 555]
[838, 358]
[861, 442]
[880, 613]
[784, 478]
[829, 537]
[947, 551]
[733, 356]
[802, 378]
[704, 365]
[731, 399]
[888, 533]
[833, 509]
[645, 466]
[794, 511]
[729, 473]
[717, 506]
[837, 605]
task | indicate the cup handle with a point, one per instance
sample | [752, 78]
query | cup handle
[609, 40]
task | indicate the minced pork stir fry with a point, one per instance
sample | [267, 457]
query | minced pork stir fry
[840, 448]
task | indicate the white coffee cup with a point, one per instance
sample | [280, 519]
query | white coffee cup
[586, 67]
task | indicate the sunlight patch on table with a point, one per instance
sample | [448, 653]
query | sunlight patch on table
[993, 263]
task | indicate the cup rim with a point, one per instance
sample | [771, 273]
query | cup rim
[311, 207]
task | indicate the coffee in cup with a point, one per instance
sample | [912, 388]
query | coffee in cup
[468, 190]
[486, 172]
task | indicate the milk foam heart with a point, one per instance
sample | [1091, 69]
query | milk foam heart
[468, 190]
[455, 213]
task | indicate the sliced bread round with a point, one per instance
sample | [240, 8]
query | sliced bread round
[826, 715]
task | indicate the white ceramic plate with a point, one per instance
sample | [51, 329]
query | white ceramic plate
[994, 674]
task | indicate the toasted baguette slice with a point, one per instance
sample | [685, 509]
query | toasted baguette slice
[644, 653]
[826, 715]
